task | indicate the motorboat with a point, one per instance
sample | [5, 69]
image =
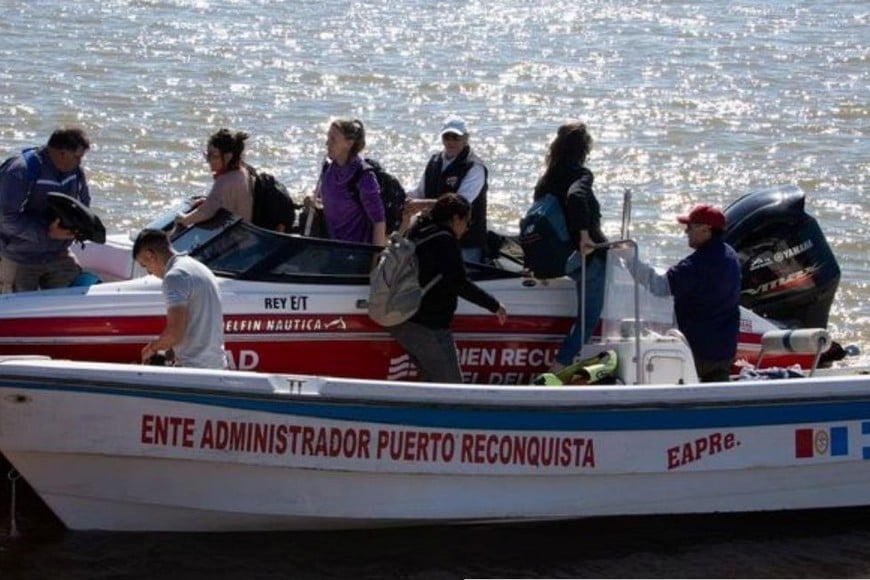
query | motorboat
[298, 304]
[131, 447]
[122, 447]
[290, 304]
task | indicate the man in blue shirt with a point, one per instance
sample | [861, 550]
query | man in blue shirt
[706, 290]
[34, 248]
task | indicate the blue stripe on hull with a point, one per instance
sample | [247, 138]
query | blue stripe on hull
[517, 418]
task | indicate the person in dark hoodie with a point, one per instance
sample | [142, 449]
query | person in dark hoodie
[568, 178]
[426, 336]
[706, 290]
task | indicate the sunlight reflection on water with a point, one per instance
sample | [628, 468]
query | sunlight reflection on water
[687, 101]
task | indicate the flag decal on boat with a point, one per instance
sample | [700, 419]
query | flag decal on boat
[825, 442]
[865, 430]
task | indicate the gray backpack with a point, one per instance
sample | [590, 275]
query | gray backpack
[395, 292]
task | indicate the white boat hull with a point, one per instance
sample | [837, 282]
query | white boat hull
[305, 499]
[118, 447]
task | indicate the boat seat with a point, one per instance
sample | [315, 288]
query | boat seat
[813, 341]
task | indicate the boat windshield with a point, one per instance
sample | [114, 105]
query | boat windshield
[655, 313]
[233, 249]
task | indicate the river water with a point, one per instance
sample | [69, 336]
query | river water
[688, 102]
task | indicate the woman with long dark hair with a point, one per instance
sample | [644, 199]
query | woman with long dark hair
[231, 189]
[426, 336]
[567, 177]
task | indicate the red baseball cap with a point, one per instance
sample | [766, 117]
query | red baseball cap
[704, 214]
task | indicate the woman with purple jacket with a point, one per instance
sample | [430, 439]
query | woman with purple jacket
[352, 206]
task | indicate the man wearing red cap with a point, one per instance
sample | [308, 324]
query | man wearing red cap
[706, 290]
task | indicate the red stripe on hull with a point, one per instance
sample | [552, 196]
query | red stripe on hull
[113, 326]
[313, 344]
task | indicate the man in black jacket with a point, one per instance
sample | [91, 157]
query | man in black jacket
[455, 169]
[706, 290]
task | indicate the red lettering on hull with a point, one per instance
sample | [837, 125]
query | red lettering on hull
[394, 445]
[692, 451]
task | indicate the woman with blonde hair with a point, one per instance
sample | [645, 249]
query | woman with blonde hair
[351, 197]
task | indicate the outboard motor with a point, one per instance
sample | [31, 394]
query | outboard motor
[789, 271]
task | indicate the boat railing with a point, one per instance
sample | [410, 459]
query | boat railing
[655, 314]
[624, 230]
[631, 245]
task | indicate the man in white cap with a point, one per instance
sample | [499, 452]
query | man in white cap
[455, 169]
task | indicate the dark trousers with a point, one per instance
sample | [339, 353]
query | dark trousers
[432, 350]
[713, 371]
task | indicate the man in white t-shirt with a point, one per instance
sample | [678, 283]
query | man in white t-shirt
[194, 316]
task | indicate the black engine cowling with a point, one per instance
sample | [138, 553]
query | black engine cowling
[789, 272]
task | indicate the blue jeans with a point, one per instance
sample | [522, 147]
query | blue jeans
[572, 344]
[472, 255]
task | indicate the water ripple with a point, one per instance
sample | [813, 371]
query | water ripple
[687, 101]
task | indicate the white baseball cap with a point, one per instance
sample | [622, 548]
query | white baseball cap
[454, 125]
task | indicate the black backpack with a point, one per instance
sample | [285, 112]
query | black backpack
[273, 205]
[392, 193]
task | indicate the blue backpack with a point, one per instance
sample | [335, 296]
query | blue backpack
[33, 165]
[544, 238]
